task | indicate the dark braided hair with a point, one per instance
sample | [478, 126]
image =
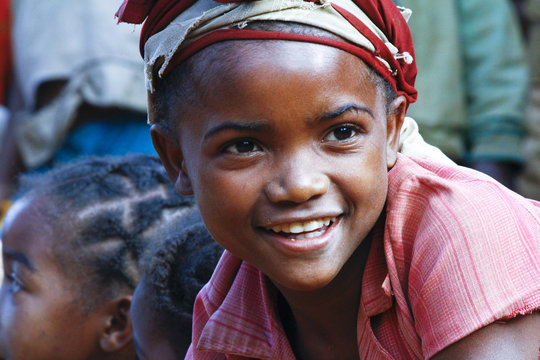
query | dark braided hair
[104, 211]
[173, 275]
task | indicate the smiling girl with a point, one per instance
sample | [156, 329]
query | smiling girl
[283, 118]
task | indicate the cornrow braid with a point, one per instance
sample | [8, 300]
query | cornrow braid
[173, 275]
[106, 210]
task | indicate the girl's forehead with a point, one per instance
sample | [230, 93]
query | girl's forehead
[221, 66]
[293, 90]
[27, 226]
[255, 79]
[25, 210]
[29, 240]
[238, 54]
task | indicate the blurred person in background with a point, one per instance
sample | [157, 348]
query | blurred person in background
[473, 49]
[529, 181]
[80, 87]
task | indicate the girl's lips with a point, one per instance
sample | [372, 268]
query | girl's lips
[306, 241]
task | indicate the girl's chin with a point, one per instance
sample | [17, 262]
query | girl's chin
[303, 282]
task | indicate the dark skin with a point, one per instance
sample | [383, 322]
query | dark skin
[302, 142]
[296, 161]
[518, 338]
[40, 316]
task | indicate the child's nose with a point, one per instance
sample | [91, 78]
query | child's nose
[297, 182]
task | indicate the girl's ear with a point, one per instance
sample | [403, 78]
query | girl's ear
[394, 121]
[171, 156]
[117, 333]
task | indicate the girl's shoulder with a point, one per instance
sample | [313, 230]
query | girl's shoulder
[426, 189]
[465, 250]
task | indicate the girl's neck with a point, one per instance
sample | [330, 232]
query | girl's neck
[322, 324]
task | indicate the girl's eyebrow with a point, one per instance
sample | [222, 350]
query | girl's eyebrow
[19, 257]
[349, 107]
[262, 126]
[252, 126]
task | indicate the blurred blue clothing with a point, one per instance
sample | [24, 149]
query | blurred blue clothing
[107, 138]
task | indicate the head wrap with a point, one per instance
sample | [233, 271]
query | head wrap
[374, 30]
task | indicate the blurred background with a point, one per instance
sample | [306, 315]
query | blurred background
[71, 84]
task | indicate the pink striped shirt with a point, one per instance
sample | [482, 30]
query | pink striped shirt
[457, 251]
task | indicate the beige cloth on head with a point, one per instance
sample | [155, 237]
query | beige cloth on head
[206, 16]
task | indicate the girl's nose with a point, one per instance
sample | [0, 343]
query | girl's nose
[297, 182]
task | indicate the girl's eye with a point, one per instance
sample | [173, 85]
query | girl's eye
[242, 147]
[341, 133]
[16, 284]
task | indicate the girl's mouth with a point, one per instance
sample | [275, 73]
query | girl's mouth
[303, 230]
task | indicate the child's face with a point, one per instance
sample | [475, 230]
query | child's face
[287, 154]
[147, 336]
[39, 318]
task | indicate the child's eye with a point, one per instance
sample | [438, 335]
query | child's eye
[242, 147]
[342, 132]
[14, 281]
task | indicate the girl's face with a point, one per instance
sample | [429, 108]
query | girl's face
[288, 156]
[39, 315]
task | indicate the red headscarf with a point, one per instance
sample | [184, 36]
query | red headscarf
[383, 13]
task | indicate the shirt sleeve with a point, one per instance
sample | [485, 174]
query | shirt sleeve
[474, 252]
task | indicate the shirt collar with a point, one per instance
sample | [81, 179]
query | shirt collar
[246, 323]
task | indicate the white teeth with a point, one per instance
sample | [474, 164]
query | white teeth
[296, 228]
[313, 225]
[303, 227]
[308, 235]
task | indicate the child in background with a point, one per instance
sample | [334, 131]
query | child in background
[71, 250]
[283, 119]
[172, 276]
